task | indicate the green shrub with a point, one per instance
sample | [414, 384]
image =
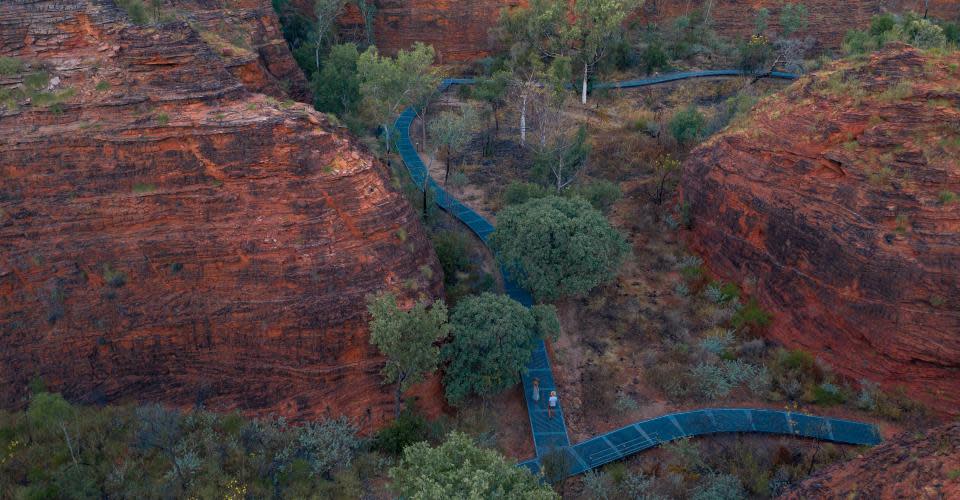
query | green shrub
[797, 360]
[751, 316]
[857, 42]
[793, 18]
[923, 34]
[602, 194]
[103, 86]
[654, 58]
[558, 247]
[136, 10]
[328, 444]
[952, 33]
[114, 277]
[947, 197]
[719, 487]
[687, 125]
[410, 427]
[10, 66]
[453, 253]
[882, 24]
[493, 338]
[827, 394]
[755, 54]
[722, 293]
[459, 468]
[517, 193]
[141, 188]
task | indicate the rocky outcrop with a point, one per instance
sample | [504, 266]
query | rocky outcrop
[836, 204]
[166, 235]
[247, 36]
[737, 18]
[916, 465]
[458, 29]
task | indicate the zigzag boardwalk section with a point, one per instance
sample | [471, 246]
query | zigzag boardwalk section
[550, 434]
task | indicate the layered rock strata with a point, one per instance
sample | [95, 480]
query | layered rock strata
[167, 235]
[837, 204]
[247, 36]
[916, 465]
[458, 29]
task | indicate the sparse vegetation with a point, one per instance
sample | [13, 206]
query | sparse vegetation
[113, 277]
[143, 188]
[947, 197]
[10, 65]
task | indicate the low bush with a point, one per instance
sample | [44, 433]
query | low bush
[687, 125]
[10, 66]
[671, 378]
[517, 193]
[827, 394]
[654, 58]
[602, 194]
[452, 249]
[751, 317]
[114, 277]
[410, 427]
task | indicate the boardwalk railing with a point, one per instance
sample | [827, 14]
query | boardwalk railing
[550, 433]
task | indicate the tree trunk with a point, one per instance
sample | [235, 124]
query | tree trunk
[386, 135]
[398, 395]
[447, 174]
[496, 120]
[426, 186]
[559, 174]
[586, 72]
[523, 121]
[316, 54]
[423, 127]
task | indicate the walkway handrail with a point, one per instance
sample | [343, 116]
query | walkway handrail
[550, 434]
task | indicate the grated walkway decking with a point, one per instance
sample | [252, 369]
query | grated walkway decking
[550, 434]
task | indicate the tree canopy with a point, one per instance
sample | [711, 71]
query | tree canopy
[387, 85]
[558, 247]
[407, 339]
[458, 468]
[493, 339]
[337, 88]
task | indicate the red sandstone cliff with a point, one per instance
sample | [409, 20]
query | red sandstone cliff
[829, 19]
[837, 199]
[916, 465]
[166, 235]
[458, 28]
[247, 36]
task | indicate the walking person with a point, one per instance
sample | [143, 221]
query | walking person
[536, 392]
[551, 403]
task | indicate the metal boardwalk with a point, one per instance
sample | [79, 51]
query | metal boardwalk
[550, 434]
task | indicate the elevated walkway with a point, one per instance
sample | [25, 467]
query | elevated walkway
[550, 434]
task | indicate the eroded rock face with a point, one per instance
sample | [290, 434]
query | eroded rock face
[247, 36]
[833, 203]
[166, 235]
[915, 465]
[458, 29]
[829, 20]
